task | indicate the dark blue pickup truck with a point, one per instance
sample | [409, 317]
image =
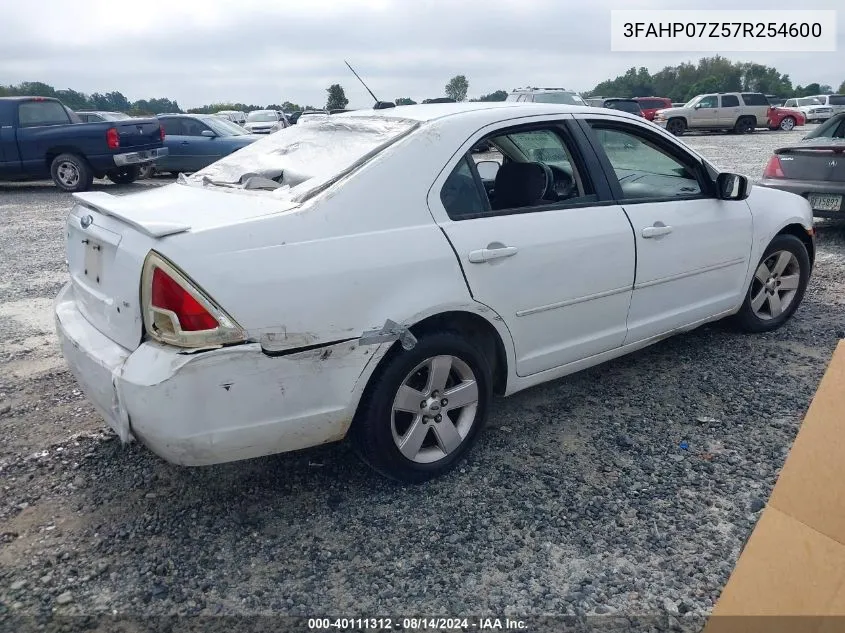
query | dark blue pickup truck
[41, 138]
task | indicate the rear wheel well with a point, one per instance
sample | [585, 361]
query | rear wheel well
[57, 151]
[801, 233]
[478, 330]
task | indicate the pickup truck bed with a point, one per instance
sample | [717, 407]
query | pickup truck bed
[41, 138]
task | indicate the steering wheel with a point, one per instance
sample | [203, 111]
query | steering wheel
[562, 185]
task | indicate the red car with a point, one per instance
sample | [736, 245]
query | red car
[650, 105]
[785, 119]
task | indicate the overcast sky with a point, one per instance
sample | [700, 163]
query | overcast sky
[203, 51]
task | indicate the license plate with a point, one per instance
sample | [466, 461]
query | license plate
[93, 260]
[825, 202]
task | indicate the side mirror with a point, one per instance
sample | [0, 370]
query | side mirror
[697, 106]
[208, 134]
[487, 169]
[731, 186]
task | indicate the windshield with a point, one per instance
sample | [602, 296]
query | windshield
[307, 156]
[691, 103]
[115, 116]
[224, 127]
[809, 102]
[568, 98]
[261, 115]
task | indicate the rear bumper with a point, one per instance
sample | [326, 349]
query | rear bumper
[140, 157]
[215, 406]
[804, 188]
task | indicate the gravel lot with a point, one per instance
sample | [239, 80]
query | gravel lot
[577, 500]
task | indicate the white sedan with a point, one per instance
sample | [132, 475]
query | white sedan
[370, 276]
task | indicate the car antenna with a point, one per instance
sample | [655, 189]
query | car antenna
[379, 105]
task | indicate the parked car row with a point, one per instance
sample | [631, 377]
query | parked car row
[739, 112]
[41, 138]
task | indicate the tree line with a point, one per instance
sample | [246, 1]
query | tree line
[710, 74]
[116, 102]
[679, 83]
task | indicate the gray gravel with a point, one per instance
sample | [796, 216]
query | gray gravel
[578, 499]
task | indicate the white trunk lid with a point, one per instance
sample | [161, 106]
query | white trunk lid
[108, 238]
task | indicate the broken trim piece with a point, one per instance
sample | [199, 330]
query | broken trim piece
[305, 348]
[389, 332]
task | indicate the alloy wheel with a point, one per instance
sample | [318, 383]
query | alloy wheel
[434, 409]
[775, 285]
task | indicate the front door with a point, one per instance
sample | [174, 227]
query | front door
[706, 112]
[693, 249]
[557, 267]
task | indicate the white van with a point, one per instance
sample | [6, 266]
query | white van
[834, 102]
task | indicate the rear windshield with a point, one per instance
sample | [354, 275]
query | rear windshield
[296, 160]
[568, 98]
[261, 115]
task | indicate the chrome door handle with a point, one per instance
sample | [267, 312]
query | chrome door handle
[657, 230]
[489, 254]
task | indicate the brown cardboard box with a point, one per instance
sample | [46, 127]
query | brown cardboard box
[793, 566]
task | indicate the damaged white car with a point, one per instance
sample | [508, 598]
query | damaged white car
[370, 275]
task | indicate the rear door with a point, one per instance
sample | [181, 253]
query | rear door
[177, 145]
[728, 110]
[559, 273]
[693, 249]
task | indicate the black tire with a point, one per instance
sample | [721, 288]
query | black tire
[124, 175]
[71, 173]
[373, 429]
[676, 126]
[787, 124]
[747, 319]
[744, 125]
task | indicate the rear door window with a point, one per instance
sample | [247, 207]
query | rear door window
[172, 126]
[37, 113]
[836, 100]
[730, 101]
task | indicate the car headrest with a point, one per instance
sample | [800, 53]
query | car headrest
[521, 184]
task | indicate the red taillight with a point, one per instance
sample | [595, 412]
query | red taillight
[178, 312]
[112, 138]
[169, 295]
[161, 132]
[773, 169]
